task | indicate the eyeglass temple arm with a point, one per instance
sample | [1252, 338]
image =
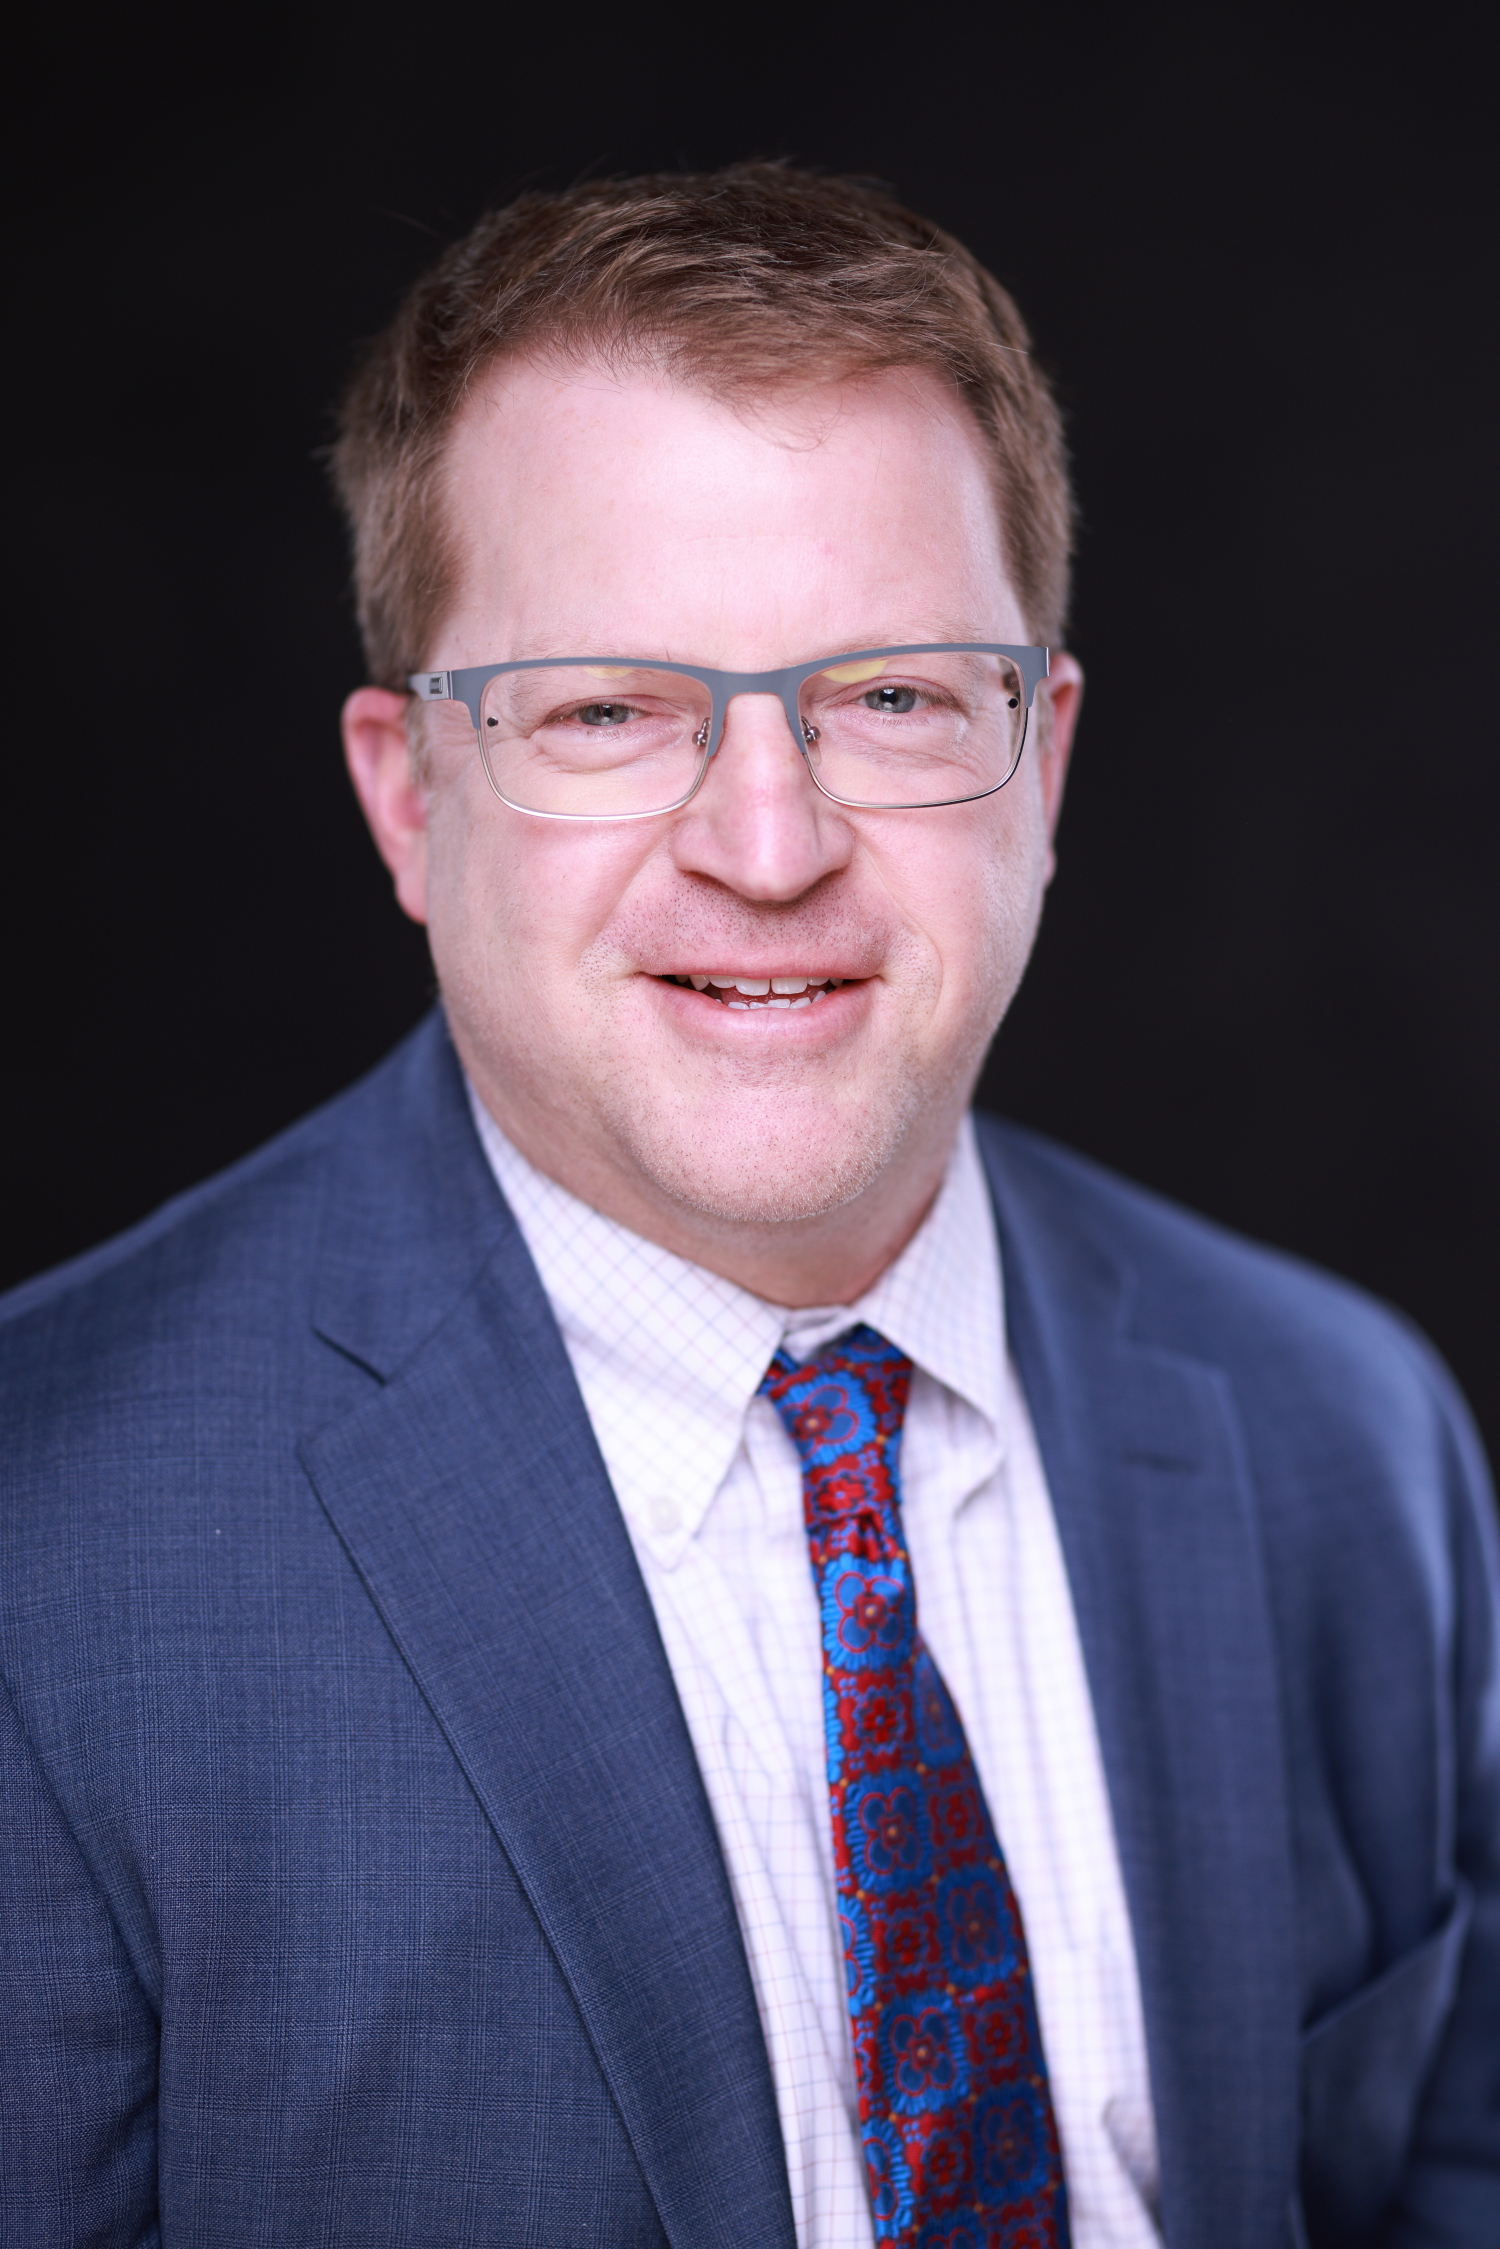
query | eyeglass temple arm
[439, 687]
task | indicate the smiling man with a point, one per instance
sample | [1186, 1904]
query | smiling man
[644, 1631]
[754, 1009]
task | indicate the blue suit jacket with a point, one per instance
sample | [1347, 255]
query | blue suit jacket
[360, 1883]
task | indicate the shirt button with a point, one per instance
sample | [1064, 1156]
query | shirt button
[664, 1516]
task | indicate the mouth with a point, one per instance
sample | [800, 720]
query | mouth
[750, 992]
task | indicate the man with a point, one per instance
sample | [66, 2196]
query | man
[641, 1631]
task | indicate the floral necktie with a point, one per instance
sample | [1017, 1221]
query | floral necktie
[959, 2137]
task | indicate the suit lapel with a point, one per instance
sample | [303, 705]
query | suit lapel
[1158, 1526]
[472, 1498]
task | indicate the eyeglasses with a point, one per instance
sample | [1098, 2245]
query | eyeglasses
[628, 738]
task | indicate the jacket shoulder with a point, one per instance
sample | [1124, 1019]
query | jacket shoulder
[1191, 1285]
[245, 1240]
[191, 1228]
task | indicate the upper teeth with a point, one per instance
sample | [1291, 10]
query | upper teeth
[756, 987]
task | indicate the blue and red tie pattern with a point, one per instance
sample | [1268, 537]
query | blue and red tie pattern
[960, 2141]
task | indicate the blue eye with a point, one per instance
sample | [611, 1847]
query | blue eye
[604, 714]
[898, 700]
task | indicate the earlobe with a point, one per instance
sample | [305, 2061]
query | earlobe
[377, 751]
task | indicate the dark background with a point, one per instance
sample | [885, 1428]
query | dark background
[1261, 273]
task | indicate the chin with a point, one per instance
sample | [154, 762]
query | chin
[768, 1163]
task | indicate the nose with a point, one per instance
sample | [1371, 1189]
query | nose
[758, 824]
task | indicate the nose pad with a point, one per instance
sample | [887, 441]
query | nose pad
[805, 735]
[802, 734]
[710, 735]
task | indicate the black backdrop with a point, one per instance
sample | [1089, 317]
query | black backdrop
[1266, 981]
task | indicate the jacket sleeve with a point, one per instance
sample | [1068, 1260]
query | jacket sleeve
[78, 2039]
[1449, 2196]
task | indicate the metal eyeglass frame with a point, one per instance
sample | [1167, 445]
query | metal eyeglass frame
[468, 685]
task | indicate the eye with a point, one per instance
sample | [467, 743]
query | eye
[897, 700]
[604, 714]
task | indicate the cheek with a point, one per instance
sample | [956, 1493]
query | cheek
[976, 897]
[465, 895]
[1017, 884]
[515, 898]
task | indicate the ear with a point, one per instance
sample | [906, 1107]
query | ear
[378, 755]
[1059, 700]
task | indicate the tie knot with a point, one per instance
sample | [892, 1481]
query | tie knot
[844, 1400]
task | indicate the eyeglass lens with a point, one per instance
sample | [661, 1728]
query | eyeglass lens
[937, 727]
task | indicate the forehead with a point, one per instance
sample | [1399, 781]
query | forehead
[585, 497]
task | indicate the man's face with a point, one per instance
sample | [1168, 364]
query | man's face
[609, 514]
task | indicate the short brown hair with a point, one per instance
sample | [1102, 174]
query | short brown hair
[730, 280]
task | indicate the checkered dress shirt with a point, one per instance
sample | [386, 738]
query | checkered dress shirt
[669, 1358]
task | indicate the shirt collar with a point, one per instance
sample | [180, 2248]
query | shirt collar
[942, 1299]
[668, 1356]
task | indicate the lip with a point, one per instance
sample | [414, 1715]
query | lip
[695, 1015]
[823, 974]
